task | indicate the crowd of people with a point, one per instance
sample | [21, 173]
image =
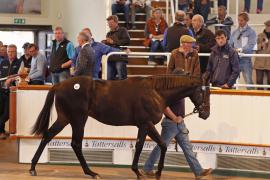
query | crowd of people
[188, 36]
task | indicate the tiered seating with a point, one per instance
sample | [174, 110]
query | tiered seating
[138, 65]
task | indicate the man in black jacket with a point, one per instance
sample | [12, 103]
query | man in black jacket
[8, 67]
[174, 33]
[222, 21]
[205, 39]
[116, 37]
[223, 63]
[62, 54]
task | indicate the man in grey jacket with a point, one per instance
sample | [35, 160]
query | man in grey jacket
[86, 58]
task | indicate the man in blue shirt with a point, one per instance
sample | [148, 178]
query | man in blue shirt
[100, 49]
[62, 54]
[38, 66]
[244, 39]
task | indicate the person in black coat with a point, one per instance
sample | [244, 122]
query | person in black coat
[205, 39]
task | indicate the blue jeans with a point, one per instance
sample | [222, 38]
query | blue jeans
[117, 68]
[246, 69]
[156, 46]
[169, 131]
[259, 5]
[59, 77]
[116, 8]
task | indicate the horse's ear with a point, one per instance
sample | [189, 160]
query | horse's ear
[206, 78]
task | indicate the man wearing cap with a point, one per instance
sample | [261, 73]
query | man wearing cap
[185, 59]
[262, 64]
[26, 59]
[223, 64]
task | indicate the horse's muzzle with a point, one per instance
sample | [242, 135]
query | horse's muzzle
[204, 111]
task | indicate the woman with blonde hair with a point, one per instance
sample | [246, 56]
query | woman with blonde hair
[154, 30]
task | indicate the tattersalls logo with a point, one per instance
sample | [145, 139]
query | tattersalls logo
[242, 150]
[103, 144]
[208, 148]
[149, 145]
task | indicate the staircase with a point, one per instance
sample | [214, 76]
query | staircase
[138, 65]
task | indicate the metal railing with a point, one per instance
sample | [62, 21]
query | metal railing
[167, 54]
[105, 60]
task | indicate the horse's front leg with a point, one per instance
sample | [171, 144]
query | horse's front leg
[142, 132]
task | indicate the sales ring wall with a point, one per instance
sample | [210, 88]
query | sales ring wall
[234, 137]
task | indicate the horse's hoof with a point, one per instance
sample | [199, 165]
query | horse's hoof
[33, 172]
[158, 176]
[141, 177]
[97, 177]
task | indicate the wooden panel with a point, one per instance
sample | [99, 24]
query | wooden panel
[139, 26]
[137, 61]
[156, 4]
[139, 17]
[241, 92]
[146, 71]
[12, 111]
[139, 49]
[136, 34]
[138, 42]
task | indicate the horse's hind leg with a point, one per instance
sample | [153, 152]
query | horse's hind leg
[142, 132]
[154, 135]
[76, 144]
[47, 137]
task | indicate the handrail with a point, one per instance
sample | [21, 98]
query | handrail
[173, 9]
[167, 54]
[167, 10]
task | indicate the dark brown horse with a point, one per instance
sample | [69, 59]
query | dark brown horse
[133, 102]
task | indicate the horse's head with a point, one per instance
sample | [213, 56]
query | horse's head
[201, 97]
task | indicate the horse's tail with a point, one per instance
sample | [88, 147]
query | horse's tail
[42, 122]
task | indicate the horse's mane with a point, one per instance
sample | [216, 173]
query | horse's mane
[163, 82]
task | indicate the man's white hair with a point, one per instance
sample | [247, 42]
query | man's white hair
[199, 17]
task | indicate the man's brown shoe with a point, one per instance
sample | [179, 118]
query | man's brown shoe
[205, 172]
[3, 136]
